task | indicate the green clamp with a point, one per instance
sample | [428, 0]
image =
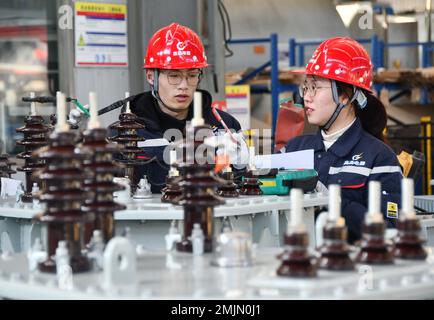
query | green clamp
[81, 107]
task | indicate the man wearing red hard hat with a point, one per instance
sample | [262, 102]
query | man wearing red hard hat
[174, 63]
[349, 148]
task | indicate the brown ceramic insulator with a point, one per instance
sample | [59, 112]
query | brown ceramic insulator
[250, 185]
[408, 243]
[35, 136]
[6, 166]
[199, 185]
[198, 199]
[63, 194]
[53, 121]
[373, 248]
[172, 192]
[127, 136]
[296, 261]
[102, 169]
[228, 189]
[335, 252]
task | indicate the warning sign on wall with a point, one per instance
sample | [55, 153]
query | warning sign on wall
[100, 34]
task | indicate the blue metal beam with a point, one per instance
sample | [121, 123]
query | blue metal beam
[253, 73]
[275, 84]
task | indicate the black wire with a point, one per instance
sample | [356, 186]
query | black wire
[229, 28]
[138, 162]
[116, 105]
[420, 209]
[224, 27]
[225, 20]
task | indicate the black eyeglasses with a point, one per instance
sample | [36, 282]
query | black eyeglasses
[309, 88]
[175, 77]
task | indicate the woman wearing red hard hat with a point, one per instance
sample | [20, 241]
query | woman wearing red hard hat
[174, 61]
[348, 147]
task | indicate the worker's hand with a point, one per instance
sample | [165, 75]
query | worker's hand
[238, 151]
[76, 115]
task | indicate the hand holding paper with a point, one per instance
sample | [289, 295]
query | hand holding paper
[290, 160]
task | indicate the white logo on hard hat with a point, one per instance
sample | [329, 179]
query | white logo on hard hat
[181, 45]
[169, 38]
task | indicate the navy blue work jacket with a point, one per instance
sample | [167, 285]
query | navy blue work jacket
[352, 161]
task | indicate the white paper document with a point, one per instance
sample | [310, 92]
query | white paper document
[290, 160]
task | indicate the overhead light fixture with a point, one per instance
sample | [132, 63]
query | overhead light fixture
[401, 19]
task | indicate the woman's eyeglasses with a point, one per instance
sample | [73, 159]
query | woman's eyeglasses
[309, 88]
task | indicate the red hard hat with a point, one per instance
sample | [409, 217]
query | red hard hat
[342, 59]
[175, 47]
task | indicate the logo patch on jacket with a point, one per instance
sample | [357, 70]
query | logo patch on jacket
[355, 160]
[357, 157]
[354, 163]
[392, 210]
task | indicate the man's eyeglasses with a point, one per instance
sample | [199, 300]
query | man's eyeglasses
[175, 77]
[309, 88]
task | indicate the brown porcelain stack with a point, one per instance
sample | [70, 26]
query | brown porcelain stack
[127, 136]
[35, 136]
[100, 184]
[335, 250]
[373, 248]
[53, 121]
[199, 183]
[250, 183]
[229, 188]
[172, 192]
[63, 194]
[408, 243]
[6, 166]
[296, 260]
